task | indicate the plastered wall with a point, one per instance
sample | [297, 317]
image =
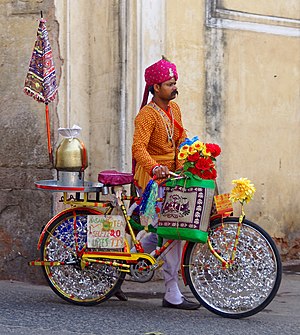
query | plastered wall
[238, 84]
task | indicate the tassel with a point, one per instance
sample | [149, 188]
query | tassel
[148, 204]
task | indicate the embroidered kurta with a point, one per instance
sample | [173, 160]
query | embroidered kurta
[151, 145]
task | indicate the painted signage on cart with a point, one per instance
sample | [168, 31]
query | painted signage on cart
[105, 231]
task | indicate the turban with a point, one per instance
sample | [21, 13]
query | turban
[157, 73]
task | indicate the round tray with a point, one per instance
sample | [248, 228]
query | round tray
[51, 185]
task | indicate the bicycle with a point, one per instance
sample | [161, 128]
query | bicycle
[234, 275]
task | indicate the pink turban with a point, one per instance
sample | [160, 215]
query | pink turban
[157, 73]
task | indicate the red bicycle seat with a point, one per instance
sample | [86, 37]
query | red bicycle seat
[114, 178]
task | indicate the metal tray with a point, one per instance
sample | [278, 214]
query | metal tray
[51, 185]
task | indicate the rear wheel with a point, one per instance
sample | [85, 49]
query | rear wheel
[64, 241]
[250, 283]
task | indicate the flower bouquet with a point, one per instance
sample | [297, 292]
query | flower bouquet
[199, 158]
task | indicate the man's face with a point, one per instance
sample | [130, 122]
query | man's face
[167, 90]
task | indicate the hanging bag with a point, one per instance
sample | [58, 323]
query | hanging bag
[186, 209]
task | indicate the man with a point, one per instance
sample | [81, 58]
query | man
[158, 133]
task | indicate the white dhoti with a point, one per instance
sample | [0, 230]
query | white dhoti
[171, 257]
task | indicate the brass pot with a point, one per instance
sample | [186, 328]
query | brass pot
[71, 155]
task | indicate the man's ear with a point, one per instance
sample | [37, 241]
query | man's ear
[156, 87]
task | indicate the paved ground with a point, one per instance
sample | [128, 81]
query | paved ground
[27, 309]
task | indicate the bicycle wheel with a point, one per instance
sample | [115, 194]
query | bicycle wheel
[63, 241]
[252, 281]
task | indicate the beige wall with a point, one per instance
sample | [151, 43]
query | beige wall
[239, 68]
[262, 136]
[89, 93]
[260, 116]
[276, 8]
[23, 152]
[185, 45]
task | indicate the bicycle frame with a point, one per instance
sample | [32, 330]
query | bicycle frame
[117, 259]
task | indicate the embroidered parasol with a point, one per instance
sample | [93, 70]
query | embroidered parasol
[40, 82]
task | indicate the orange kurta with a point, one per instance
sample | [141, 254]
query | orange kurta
[151, 145]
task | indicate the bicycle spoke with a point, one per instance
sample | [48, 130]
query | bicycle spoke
[65, 240]
[248, 284]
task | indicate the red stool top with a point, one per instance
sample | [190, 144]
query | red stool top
[114, 178]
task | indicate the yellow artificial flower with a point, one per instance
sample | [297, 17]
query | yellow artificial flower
[184, 148]
[205, 153]
[192, 150]
[243, 190]
[182, 155]
[198, 145]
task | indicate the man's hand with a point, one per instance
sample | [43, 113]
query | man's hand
[161, 172]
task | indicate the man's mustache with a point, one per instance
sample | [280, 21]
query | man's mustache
[175, 93]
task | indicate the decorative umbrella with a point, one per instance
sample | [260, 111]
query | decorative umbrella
[40, 82]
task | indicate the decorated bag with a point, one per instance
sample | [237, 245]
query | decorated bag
[186, 209]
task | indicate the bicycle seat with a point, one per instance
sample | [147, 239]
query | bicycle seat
[114, 178]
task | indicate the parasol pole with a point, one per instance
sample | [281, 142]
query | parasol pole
[48, 133]
[50, 152]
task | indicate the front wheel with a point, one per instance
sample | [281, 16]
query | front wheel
[64, 241]
[249, 284]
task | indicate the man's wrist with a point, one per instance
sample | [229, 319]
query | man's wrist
[154, 169]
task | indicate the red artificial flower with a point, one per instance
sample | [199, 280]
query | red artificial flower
[195, 171]
[194, 157]
[214, 149]
[209, 174]
[200, 158]
[213, 173]
[204, 164]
